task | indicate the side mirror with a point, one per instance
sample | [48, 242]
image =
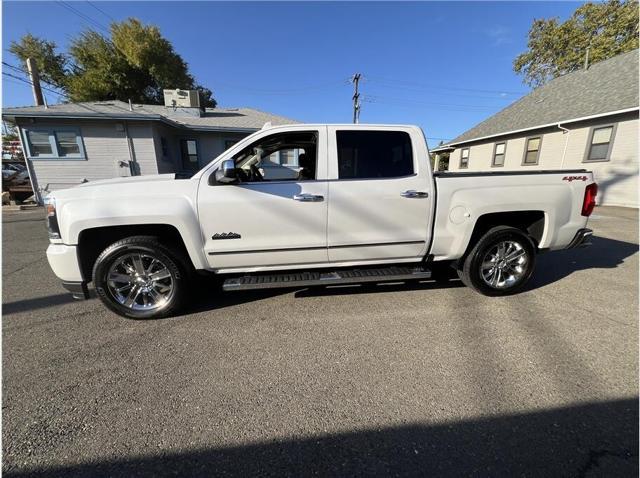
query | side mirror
[227, 173]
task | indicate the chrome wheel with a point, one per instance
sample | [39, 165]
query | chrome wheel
[504, 264]
[140, 282]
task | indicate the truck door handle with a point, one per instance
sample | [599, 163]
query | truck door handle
[308, 197]
[411, 193]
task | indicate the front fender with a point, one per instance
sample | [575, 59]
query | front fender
[77, 215]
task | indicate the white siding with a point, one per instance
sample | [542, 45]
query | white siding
[104, 146]
[142, 137]
[210, 145]
[617, 178]
[169, 162]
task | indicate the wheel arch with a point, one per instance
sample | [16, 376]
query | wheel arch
[532, 223]
[92, 241]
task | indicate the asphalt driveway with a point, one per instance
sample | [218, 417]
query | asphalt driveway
[418, 379]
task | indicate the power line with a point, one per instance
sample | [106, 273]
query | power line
[31, 84]
[13, 81]
[284, 91]
[423, 107]
[101, 11]
[390, 99]
[436, 91]
[87, 18]
[94, 22]
[21, 70]
[23, 81]
[404, 83]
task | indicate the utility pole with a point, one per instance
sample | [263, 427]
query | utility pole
[356, 98]
[586, 58]
[34, 76]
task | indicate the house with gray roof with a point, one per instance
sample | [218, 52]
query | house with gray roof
[587, 119]
[71, 143]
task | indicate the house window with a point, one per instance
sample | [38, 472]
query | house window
[289, 157]
[67, 143]
[229, 142]
[189, 152]
[374, 154]
[464, 158]
[39, 144]
[599, 148]
[58, 143]
[532, 151]
[498, 154]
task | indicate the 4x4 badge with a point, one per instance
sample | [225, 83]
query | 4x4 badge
[226, 235]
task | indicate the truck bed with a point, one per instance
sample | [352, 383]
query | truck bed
[464, 197]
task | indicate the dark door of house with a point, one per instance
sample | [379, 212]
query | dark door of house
[189, 154]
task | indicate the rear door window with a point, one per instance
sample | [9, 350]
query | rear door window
[374, 154]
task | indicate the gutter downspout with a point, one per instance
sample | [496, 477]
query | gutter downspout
[135, 170]
[566, 141]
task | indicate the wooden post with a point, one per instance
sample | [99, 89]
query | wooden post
[34, 76]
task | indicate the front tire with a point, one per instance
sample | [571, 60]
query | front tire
[501, 262]
[140, 278]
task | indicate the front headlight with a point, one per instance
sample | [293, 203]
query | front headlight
[52, 219]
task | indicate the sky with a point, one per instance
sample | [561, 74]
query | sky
[444, 66]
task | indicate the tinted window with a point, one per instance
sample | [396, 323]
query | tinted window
[374, 154]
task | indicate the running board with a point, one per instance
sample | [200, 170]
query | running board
[303, 279]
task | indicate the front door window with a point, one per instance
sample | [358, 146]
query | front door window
[290, 156]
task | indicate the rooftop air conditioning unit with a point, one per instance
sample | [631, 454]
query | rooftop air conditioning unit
[182, 98]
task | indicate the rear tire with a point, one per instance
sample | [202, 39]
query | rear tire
[140, 278]
[501, 262]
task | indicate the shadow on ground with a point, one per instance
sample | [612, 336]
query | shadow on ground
[27, 305]
[604, 253]
[598, 439]
[551, 267]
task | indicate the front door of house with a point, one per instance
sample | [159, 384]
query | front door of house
[189, 154]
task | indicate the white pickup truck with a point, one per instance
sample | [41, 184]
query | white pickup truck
[306, 205]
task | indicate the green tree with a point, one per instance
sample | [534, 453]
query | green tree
[52, 65]
[135, 62]
[607, 29]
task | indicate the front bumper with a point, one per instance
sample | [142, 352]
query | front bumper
[64, 262]
[581, 239]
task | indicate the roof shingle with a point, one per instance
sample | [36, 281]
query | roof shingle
[214, 118]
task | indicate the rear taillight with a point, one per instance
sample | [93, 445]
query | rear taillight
[589, 202]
